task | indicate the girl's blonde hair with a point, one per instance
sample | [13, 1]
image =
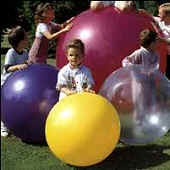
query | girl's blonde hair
[39, 11]
[165, 7]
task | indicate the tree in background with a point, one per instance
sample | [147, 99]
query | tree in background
[22, 12]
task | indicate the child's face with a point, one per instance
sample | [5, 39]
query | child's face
[23, 43]
[163, 16]
[75, 57]
[48, 13]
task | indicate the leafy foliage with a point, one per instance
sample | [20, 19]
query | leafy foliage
[22, 12]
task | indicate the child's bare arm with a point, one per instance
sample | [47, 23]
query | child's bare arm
[28, 62]
[132, 59]
[165, 40]
[144, 12]
[67, 91]
[69, 21]
[154, 21]
[17, 67]
[50, 36]
[89, 90]
[126, 61]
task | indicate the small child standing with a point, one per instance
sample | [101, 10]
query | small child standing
[146, 55]
[74, 77]
[45, 31]
[15, 59]
[144, 85]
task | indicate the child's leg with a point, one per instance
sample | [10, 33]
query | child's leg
[4, 130]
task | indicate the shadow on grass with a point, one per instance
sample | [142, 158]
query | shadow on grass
[42, 143]
[133, 158]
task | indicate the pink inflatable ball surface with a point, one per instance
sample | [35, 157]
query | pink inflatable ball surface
[109, 36]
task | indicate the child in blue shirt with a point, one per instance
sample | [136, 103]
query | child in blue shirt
[15, 59]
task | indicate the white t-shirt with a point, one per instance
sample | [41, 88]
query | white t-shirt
[119, 4]
[13, 58]
[108, 3]
[42, 27]
[143, 57]
[105, 3]
[74, 79]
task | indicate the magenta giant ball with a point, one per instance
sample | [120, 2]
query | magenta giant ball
[108, 36]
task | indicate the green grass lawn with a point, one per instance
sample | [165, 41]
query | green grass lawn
[5, 43]
[16, 155]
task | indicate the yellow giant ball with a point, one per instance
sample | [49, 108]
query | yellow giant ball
[82, 129]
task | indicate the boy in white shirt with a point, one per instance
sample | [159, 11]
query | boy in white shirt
[146, 55]
[74, 77]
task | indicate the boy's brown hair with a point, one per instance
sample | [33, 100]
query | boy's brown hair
[16, 35]
[76, 43]
[147, 37]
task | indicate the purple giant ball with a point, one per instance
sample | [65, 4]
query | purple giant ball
[26, 99]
